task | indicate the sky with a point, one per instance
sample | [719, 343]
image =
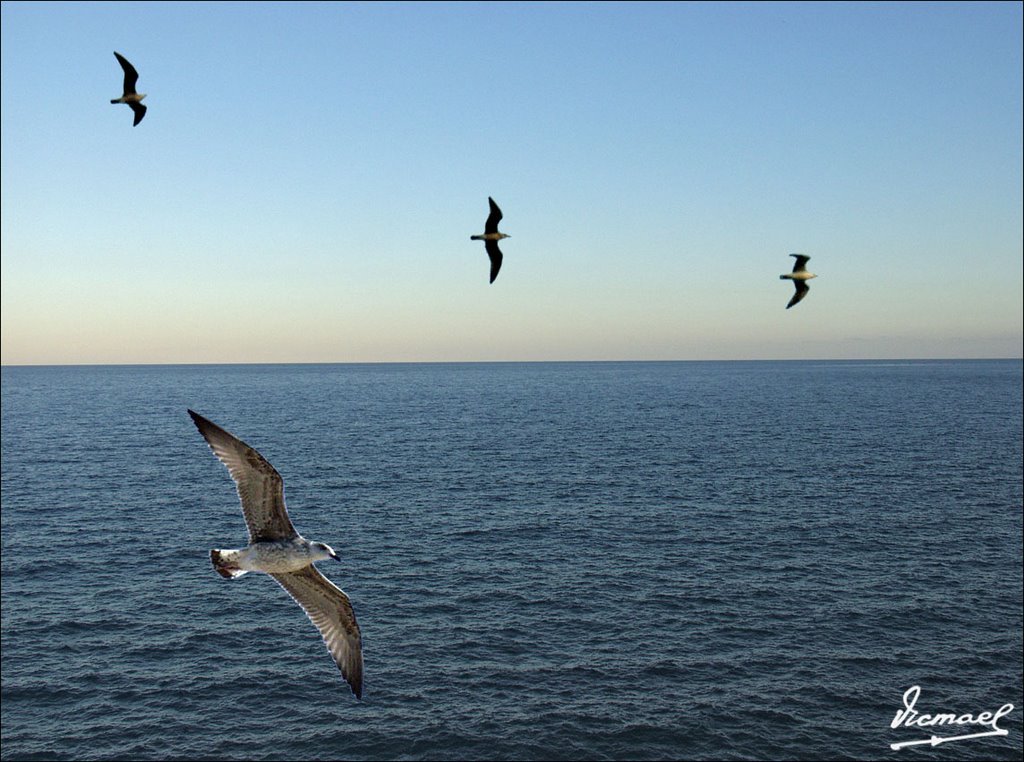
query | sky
[307, 177]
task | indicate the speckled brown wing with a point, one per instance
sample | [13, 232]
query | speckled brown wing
[330, 610]
[260, 487]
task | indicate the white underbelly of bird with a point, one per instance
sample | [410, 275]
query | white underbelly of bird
[266, 557]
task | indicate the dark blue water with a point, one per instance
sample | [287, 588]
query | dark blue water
[588, 560]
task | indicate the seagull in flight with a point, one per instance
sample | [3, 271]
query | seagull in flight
[799, 276]
[130, 97]
[275, 548]
[491, 237]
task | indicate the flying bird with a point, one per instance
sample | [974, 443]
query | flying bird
[130, 97]
[275, 548]
[491, 237]
[799, 276]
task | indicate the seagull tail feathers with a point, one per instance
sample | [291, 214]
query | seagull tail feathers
[224, 565]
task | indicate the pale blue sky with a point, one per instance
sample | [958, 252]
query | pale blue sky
[307, 177]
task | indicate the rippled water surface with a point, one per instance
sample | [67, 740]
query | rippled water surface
[548, 561]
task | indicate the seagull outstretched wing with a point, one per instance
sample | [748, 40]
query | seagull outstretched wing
[330, 610]
[491, 226]
[801, 262]
[260, 487]
[801, 291]
[130, 75]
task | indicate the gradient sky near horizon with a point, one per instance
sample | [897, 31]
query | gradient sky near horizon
[305, 182]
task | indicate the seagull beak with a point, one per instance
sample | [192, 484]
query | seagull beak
[335, 557]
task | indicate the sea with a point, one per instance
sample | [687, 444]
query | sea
[593, 560]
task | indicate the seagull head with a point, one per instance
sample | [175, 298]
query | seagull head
[322, 550]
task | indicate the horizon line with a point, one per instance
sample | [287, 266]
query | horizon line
[500, 362]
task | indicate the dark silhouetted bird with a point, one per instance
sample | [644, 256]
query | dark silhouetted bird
[132, 98]
[491, 237]
[799, 276]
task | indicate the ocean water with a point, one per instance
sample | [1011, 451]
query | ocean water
[548, 561]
